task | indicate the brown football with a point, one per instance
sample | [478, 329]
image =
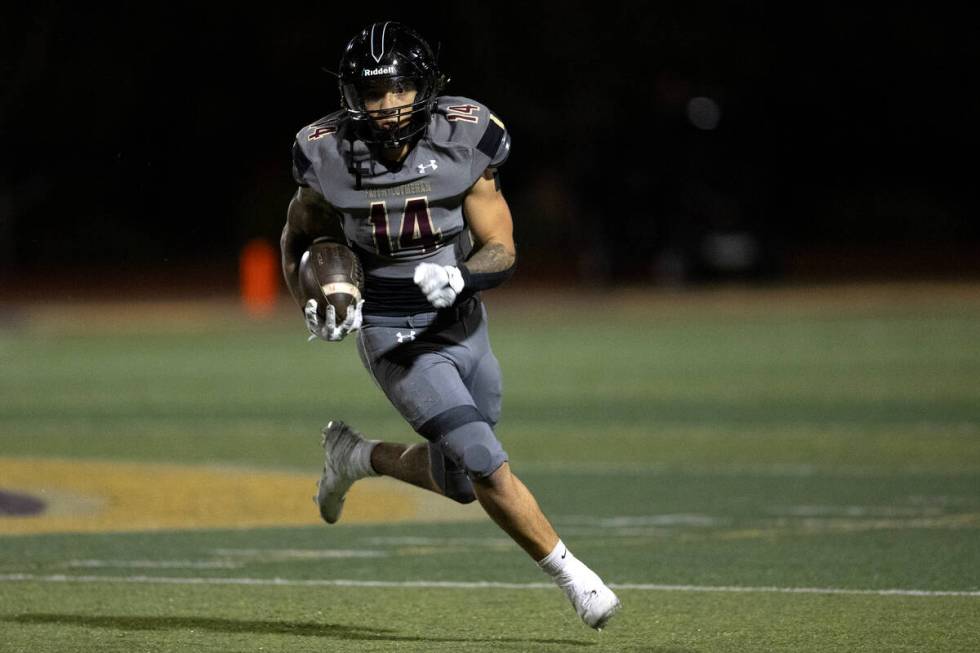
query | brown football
[331, 273]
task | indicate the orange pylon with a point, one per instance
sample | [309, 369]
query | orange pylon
[259, 277]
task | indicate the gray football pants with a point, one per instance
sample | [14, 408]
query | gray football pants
[443, 378]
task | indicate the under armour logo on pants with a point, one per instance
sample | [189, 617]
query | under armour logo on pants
[403, 337]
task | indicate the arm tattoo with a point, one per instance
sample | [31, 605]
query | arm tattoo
[492, 257]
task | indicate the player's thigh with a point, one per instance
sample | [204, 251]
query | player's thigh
[421, 387]
[485, 384]
[482, 370]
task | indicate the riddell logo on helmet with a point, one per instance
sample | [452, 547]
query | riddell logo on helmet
[383, 70]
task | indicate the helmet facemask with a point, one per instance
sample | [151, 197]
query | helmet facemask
[391, 126]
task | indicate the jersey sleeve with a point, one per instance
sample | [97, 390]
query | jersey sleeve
[302, 167]
[463, 122]
[495, 142]
[309, 150]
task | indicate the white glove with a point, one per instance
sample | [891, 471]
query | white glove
[441, 284]
[327, 329]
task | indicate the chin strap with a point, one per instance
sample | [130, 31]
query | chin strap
[355, 170]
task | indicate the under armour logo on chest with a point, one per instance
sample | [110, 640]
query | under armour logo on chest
[405, 337]
[431, 165]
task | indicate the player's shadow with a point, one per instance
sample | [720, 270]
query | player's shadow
[236, 626]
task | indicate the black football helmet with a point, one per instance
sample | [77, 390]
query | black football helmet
[389, 57]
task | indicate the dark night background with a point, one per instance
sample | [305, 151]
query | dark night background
[154, 139]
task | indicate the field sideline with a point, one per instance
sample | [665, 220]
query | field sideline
[792, 469]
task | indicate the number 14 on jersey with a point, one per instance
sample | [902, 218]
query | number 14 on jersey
[416, 231]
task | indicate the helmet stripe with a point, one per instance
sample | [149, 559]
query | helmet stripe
[378, 41]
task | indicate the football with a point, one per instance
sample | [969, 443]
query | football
[331, 273]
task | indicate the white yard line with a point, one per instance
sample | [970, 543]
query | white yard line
[153, 564]
[299, 554]
[286, 582]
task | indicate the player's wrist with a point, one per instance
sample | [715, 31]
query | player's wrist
[484, 280]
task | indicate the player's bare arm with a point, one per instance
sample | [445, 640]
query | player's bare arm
[309, 216]
[492, 226]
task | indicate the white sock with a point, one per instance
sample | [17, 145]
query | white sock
[362, 458]
[559, 561]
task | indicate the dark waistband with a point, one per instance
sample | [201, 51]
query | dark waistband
[423, 318]
[395, 297]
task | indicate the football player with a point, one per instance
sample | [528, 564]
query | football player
[408, 178]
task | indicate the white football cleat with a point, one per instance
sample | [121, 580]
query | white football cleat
[340, 445]
[592, 599]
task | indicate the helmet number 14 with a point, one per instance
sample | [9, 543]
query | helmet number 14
[416, 232]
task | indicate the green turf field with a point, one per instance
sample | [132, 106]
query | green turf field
[791, 470]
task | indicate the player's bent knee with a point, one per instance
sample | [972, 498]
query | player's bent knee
[475, 448]
[450, 477]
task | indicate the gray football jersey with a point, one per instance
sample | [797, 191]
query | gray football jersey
[396, 217]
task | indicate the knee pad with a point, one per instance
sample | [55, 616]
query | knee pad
[450, 477]
[475, 448]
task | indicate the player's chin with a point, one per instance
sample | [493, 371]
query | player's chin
[394, 120]
[391, 127]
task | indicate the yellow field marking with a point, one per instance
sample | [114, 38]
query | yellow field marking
[99, 496]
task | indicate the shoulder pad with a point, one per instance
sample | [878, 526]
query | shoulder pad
[312, 146]
[326, 126]
[462, 121]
